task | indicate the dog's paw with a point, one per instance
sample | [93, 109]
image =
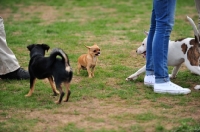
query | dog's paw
[27, 95]
[131, 78]
[197, 87]
[66, 100]
[55, 93]
[171, 76]
[57, 102]
[128, 79]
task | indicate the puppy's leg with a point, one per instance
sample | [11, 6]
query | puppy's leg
[89, 72]
[78, 68]
[67, 85]
[92, 71]
[32, 85]
[61, 94]
[55, 91]
[136, 74]
[175, 71]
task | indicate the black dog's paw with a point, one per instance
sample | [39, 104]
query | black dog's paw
[55, 94]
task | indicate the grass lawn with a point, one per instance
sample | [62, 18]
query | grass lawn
[107, 102]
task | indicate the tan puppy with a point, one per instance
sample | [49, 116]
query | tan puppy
[88, 61]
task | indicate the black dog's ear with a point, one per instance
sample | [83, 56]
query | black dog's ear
[45, 47]
[29, 47]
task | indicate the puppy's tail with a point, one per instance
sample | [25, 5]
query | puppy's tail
[62, 54]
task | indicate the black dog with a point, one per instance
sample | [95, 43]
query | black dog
[49, 67]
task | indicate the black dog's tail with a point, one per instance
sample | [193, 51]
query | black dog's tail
[62, 54]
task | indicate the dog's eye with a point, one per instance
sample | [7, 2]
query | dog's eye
[94, 51]
[142, 44]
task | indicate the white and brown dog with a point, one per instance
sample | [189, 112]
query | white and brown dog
[182, 50]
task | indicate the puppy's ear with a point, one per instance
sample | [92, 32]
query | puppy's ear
[30, 47]
[146, 33]
[87, 47]
[45, 47]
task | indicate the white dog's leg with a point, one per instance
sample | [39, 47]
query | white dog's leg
[197, 87]
[136, 74]
[175, 71]
[193, 69]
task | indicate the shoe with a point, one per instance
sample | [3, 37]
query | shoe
[18, 75]
[170, 88]
[149, 80]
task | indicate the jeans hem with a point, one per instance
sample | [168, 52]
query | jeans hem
[149, 73]
[162, 80]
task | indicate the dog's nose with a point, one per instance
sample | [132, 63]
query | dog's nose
[136, 51]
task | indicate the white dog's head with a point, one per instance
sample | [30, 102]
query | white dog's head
[142, 48]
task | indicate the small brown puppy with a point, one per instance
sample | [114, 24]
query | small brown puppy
[88, 61]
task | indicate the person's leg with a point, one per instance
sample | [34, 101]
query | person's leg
[9, 66]
[164, 12]
[149, 58]
[149, 78]
[8, 61]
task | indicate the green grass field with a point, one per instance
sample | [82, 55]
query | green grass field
[107, 102]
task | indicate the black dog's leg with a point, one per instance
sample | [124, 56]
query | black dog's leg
[68, 91]
[68, 95]
[55, 91]
[61, 94]
[32, 85]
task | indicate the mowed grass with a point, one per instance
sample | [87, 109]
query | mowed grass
[105, 103]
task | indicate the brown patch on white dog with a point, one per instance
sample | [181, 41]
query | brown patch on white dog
[193, 53]
[184, 48]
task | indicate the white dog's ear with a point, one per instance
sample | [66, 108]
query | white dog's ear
[146, 33]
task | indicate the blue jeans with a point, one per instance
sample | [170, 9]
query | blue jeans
[162, 22]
